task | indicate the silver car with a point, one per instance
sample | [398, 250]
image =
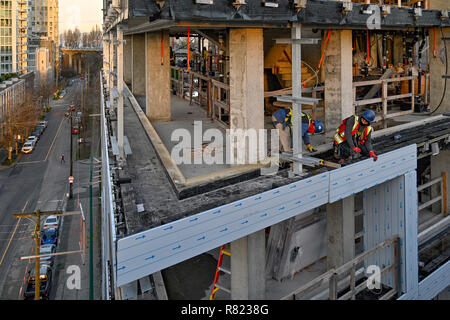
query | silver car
[47, 249]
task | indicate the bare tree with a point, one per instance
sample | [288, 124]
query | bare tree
[19, 123]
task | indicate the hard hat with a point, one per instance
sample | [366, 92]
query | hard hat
[369, 115]
[318, 126]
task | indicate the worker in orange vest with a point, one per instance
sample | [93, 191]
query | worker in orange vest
[353, 138]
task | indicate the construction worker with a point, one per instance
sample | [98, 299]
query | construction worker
[282, 120]
[360, 131]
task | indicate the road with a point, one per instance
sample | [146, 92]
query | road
[37, 181]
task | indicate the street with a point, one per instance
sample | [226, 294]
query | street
[40, 181]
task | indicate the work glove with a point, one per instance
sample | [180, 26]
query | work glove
[310, 148]
[373, 155]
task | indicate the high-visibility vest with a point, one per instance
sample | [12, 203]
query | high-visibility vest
[339, 137]
[288, 120]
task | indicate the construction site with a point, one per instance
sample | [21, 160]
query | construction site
[191, 211]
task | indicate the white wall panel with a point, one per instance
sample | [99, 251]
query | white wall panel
[161, 247]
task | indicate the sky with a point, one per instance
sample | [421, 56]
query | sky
[82, 13]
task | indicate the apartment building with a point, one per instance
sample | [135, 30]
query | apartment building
[42, 29]
[13, 36]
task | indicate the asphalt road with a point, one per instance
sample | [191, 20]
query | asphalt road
[37, 181]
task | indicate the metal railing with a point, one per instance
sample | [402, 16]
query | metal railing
[385, 97]
[332, 276]
[108, 222]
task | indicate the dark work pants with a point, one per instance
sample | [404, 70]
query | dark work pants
[343, 151]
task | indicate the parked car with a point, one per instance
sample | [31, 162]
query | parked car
[28, 147]
[51, 222]
[75, 130]
[43, 123]
[37, 132]
[47, 249]
[32, 139]
[40, 127]
[45, 281]
[49, 236]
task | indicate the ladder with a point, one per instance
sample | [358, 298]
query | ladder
[216, 286]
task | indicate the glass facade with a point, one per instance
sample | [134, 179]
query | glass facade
[6, 31]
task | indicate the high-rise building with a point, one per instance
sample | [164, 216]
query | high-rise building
[43, 30]
[13, 36]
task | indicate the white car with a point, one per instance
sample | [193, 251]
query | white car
[47, 249]
[28, 147]
[43, 123]
[33, 139]
[51, 222]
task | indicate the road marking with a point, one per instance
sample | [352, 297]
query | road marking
[12, 236]
[30, 162]
[54, 139]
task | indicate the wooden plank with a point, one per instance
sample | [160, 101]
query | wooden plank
[428, 184]
[367, 101]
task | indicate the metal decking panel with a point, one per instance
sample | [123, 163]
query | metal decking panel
[155, 249]
[365, 174]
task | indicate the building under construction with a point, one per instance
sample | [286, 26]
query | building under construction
[179, 74]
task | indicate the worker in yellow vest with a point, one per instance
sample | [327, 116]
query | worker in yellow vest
[282, 120]
[353, 138]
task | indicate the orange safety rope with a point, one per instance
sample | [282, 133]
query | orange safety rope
[368, 47]
[435, 43]
[188, 64]
[324, 49]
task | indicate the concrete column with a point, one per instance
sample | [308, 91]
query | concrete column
[157, 76]
[111, 67]
[70, 60]
[138, 64]
[248, 267]
[340, 232]
[106, 59]
[80, 70]
[127, 59]
[338, 80]
[246, 78]
[120, 90]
